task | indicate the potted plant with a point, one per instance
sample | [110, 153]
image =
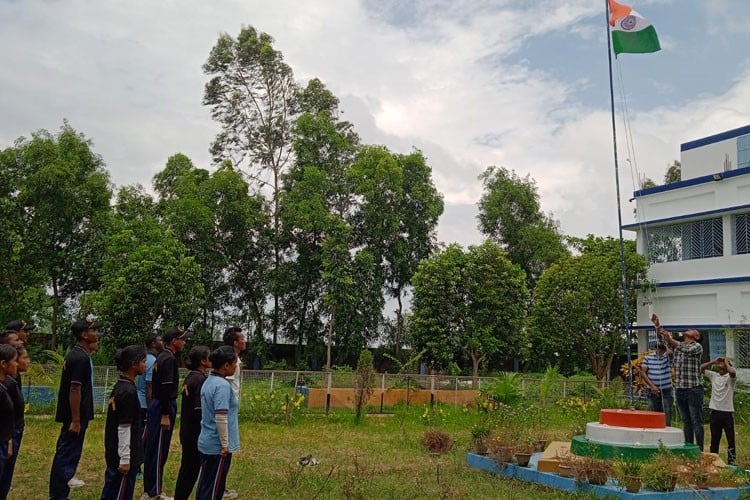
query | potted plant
[480, 433]
[700, 479]
[597, 470]
[565, 464]
[658, 474]
[523, 454]
[628, 474]
[501, 450]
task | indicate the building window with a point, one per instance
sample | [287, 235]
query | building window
[743, 151]
[690, 240]
[741, 223]
[742, 348]
[717, 344]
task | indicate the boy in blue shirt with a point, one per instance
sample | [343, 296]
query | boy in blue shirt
[219, 437]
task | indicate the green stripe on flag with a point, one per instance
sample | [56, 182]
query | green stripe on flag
[635, 42]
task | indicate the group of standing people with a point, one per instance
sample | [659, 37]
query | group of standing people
[141, 413]
[687, 390]
[14, 360]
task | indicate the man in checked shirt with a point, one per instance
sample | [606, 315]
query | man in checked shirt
[688, 381]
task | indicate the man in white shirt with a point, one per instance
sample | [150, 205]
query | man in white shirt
[722, 404]
[235, 337]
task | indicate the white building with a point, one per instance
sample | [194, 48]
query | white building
[696, 235]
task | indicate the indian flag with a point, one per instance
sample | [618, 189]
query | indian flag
[631, 33]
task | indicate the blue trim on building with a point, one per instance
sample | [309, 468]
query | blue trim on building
[692, 182]
[712, 281]
[711, 139]
[696, 215]
[686, 327]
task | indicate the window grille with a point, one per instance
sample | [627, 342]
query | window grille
[743, 151]
[717, 344]
[691, 240]
[742, 348]
[741, 224]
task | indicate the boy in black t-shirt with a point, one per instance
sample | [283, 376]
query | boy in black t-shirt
[190, 421]
[123, 448]
[161, 413]
[75, 407]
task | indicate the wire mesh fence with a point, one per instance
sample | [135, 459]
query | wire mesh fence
[326, 389]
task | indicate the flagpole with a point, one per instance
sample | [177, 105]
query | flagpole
[626, 323]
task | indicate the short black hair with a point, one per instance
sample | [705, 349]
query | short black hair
[221, 356]
[196, 355]
[230, 334]
[151, 338]
[128, 356]
[8, 352]
[82, 326]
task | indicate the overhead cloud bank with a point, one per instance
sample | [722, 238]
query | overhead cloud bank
[517, 84]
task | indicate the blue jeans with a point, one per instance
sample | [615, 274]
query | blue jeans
[690, 404]
[662, 402]
[64, 464]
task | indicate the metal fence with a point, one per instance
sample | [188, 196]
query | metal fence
[335, 388]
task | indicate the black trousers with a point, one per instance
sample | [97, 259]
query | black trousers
[65, 462]
[213, 480]
[723, 421]
[190, 467]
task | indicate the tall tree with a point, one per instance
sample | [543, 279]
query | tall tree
[252, 94]
[21, 283]
[148, 280]
[418, 210]
[472, 302]
[315, 198]
[576, 322]
[225, 229]
[673, 173]
[510, 214]
[63, 193]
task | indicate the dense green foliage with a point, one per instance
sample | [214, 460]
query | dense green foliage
[471, 302]
[577, 318]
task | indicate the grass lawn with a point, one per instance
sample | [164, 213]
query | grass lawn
[381, 458]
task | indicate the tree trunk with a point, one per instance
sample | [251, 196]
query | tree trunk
[399, 325]
[330, 338]
[475, 360]
[55, 311]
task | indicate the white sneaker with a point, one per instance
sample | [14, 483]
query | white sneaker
[76, 483]
[230, 494]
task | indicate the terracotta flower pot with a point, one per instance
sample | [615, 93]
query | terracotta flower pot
[523, 459]
[632, 484]
[597, 476]
[540, 444]
[480, 446]
[565, 470]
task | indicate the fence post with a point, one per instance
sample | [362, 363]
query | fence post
[565, 388]
[455, 393]
[432, 391]
[408, 389]
[106, 382]
[272, 374]
[382, 391]
[328, 393]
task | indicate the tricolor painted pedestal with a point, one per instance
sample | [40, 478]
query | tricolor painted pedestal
[631, 434]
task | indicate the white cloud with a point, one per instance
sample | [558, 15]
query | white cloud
[451, 78]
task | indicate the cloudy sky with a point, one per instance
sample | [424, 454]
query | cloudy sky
[516, 83]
